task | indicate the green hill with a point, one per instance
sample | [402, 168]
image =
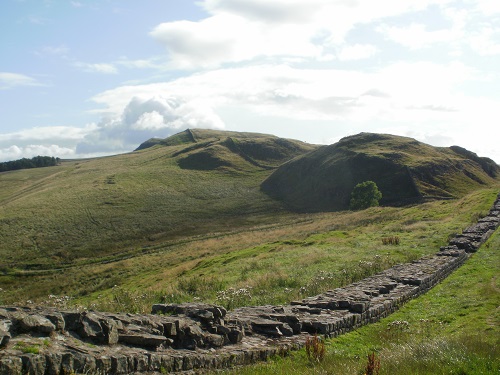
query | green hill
[186, 216]
[194, 182]
[404, 169]
[212, 149]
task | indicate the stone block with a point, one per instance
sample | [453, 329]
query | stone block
[26, 323]
[142, 340]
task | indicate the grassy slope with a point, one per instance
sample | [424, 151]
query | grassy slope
[453, 329]
[132, 243]
[404, 169]
[107, 206]
[292, 258]
[86, 226]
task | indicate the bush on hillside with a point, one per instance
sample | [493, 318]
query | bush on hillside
[365, 194]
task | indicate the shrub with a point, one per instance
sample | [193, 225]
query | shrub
[392, 240]
[365, 194]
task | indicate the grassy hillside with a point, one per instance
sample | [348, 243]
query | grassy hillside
[194, 183]
[184, 218]
[294, 257]
[452, 329]
[404, 169]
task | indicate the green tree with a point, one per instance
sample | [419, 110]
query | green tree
[365, 194]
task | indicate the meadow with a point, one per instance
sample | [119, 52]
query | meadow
[452, 329]
[274, 263]
[124, 232]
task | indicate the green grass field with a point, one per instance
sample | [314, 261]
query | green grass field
[452, 329]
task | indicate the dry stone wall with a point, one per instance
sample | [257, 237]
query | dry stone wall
[197, 337]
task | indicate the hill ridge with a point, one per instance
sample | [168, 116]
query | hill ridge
[404, 169]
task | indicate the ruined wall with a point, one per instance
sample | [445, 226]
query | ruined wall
[197, 337]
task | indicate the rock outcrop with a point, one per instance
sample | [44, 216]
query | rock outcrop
[198, 337]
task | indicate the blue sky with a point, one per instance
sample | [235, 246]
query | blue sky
[89, 78]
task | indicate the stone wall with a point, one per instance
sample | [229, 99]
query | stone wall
[197, 337]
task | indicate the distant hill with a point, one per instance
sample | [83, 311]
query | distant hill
[194, 182]
[404, 169]
[200, 207]
[212, 149]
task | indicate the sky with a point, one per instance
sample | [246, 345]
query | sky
[85, 78]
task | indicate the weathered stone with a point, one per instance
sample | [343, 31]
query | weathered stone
[103, 365]
[235, 335]
[141, 363]
[142, 340]
[110, 330]
[72, 320]
[266, 327]
[84, 363]
[213, 340]
[67, 362]
[53, 363]
[119, 365]
[11, 366]
[91, 327]
[33, 364]
[170, 328]
[360, 306]
[57, 320]
[5, 336]
[35, 323]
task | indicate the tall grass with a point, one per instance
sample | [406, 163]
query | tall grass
[452, 329]
[288, 260]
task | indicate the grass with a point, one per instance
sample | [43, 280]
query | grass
[452, 329]
[114, 234]
[274, 264]
[27, 348]
[109, 206]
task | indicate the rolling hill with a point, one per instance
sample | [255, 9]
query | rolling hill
[194, 182]
[204, 181]
[195, 217]
[405, 170]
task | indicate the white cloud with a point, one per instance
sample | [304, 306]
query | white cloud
[357, 52]
[60, 50]
[281, 90]
[486, 41]
[151, 63]
[11, 80]
[243, 30]
[57, 141]
[230, 38]
[141, 119]
[149, 121]
[18, 152]
[103, 68]
[417, 36]
[489, 7]
[45, 134]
